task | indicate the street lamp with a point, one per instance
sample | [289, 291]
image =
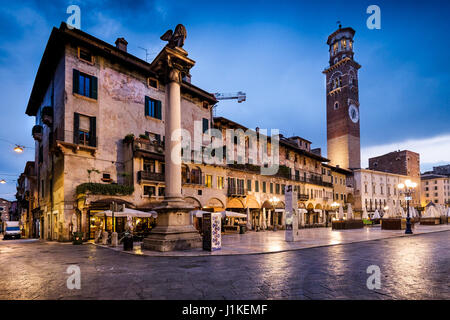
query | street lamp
[335, 206]
[407, 189]
[2, 181]
[274, 201]
[18, 149]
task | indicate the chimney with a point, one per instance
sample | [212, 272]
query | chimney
[121, 44]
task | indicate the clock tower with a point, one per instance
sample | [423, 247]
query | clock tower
[343, 139]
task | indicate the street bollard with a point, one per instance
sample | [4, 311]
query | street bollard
[114, 239]
[105, 237]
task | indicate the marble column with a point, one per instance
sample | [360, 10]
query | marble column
[174, 230]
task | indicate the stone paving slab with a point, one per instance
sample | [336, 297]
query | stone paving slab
[272, 242]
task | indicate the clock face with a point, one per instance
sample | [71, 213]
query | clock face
[353, 113]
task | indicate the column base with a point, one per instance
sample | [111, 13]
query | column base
[174, 231]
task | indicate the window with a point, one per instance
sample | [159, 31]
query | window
[205, 123]
[220, 183]
[271, 187]
[41, 154]
[277, 188]
[264, 187]
[149, 165]
[153, 108]
[249, 185]
[208, 181]
[84, 131]
[337, 82]
[343, 44]
[283, 187]
[256, 186]
[85, 55]
[84, 84]
[149, 191]
[196, 176]
[152, 82]
[335, 48]
[161, 191]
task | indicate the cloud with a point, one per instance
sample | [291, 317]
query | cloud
[433, 150]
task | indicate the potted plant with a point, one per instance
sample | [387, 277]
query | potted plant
[129, 138]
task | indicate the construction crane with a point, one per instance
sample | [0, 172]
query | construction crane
[240, 96]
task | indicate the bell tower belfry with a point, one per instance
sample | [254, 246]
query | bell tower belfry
[343, 131]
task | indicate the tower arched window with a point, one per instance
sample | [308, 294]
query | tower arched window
[336, 105]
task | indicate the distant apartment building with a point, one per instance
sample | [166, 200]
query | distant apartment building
[405, 163]
[26, 201]
[100, 139]
[4, 210]
[435, 186]
[373, 189]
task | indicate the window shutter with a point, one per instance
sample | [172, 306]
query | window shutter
[94, 85]
[147, 103]
[205, 125]
[93, 133]
[76, 81]
[158, 110]
[76, 125]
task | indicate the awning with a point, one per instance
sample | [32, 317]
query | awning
[198, 213]
[232, 214]
[127, 212]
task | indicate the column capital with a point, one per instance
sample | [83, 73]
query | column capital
[171, 63]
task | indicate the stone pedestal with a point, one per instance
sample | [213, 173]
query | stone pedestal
[114, 239]
[105, 237]
[174, 231]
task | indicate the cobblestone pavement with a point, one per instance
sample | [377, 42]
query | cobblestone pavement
[416, 267]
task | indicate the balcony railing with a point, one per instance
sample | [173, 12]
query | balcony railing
[150, 176]
[236, 192]
[154, 147]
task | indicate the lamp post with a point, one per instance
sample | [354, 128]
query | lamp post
[407, 189]
[274, 201]
[335, 206]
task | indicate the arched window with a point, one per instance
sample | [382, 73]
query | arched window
[336, 105]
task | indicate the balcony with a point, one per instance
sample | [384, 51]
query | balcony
[142, 147]
[145, 176]
[236, 192]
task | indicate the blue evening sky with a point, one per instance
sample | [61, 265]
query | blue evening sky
[275, 51]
